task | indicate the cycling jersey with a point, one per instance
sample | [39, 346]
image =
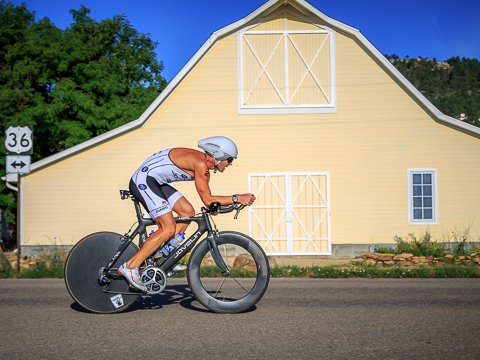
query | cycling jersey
[149, 184]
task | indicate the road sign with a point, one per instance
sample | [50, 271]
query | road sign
[18, 164]
[18, 140]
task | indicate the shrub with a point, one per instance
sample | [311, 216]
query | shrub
[424, 246]
[462, 242]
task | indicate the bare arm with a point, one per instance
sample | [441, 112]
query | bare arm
[202, 179]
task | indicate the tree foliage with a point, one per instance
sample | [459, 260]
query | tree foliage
[453, 86]
[72, 84]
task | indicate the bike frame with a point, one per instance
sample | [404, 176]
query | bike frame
[204, 226]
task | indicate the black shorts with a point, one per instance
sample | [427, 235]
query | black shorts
[157, 199]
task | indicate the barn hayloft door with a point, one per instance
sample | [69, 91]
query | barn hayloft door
[291, 215]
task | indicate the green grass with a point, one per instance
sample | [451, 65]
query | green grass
[365, 271]
[52, 267]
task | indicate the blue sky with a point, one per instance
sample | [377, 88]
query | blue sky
[427, 28]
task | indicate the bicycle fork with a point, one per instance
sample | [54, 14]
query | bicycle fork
[217, 257]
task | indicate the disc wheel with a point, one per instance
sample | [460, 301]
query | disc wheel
[82, 269]
[243, 287]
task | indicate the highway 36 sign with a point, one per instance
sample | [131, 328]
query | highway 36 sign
[18, 140]
[19, 146]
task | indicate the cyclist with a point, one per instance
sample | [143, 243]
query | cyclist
[150, 185]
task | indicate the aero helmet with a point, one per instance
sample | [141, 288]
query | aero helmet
[220, 147]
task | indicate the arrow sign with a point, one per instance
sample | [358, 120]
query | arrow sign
[18, 164]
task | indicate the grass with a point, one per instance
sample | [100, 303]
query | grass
[330, 272]
[365, 271]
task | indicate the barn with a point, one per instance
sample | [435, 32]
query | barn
[342, 152]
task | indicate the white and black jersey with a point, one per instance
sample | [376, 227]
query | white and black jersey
[150, 183]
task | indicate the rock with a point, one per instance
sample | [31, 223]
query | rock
[389, 262]
[385, 258]
[208, 260]
[372, 256]
[406, 255]
[405, 263]
[244, 262]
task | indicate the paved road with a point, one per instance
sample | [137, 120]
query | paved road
[297, 319]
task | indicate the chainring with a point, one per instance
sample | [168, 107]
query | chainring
[154, 279]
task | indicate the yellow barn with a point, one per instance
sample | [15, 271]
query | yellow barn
[342, 152]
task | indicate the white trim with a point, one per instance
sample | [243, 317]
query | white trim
[236, 26]
[288, 110]
[21, 187]
[285, 96]
[434, 173]
[283, 32]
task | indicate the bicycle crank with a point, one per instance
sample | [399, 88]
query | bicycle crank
[154, 279]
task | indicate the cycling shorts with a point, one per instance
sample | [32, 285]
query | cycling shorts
[158, 199]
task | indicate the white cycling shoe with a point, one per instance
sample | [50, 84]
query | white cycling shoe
[132, 276]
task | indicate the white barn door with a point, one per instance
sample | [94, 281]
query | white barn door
[291, 215]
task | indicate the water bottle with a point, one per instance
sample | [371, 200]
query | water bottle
[169, 246]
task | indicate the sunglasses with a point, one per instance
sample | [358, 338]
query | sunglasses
[230, 160]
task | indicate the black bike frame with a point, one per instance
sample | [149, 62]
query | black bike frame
[204, 225]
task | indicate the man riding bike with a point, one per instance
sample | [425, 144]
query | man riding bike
[150, 185]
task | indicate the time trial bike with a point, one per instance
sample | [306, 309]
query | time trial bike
[227, 272]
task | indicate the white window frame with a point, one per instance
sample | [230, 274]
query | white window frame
[411, 219]
[286, 108]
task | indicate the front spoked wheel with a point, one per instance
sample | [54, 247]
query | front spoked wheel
[243, 287]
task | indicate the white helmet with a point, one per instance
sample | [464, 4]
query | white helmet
[220, 147]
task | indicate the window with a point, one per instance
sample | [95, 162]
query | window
[422, 198]
[287, 66]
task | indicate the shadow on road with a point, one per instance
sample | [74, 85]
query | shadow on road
[173, 295]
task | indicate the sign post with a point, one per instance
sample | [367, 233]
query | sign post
[19, 147]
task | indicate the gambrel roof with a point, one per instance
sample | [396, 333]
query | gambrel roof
[268, 7]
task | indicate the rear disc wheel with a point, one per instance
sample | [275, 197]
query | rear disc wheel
[82, 268]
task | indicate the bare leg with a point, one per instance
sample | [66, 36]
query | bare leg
[166, 230]
[184, 209]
